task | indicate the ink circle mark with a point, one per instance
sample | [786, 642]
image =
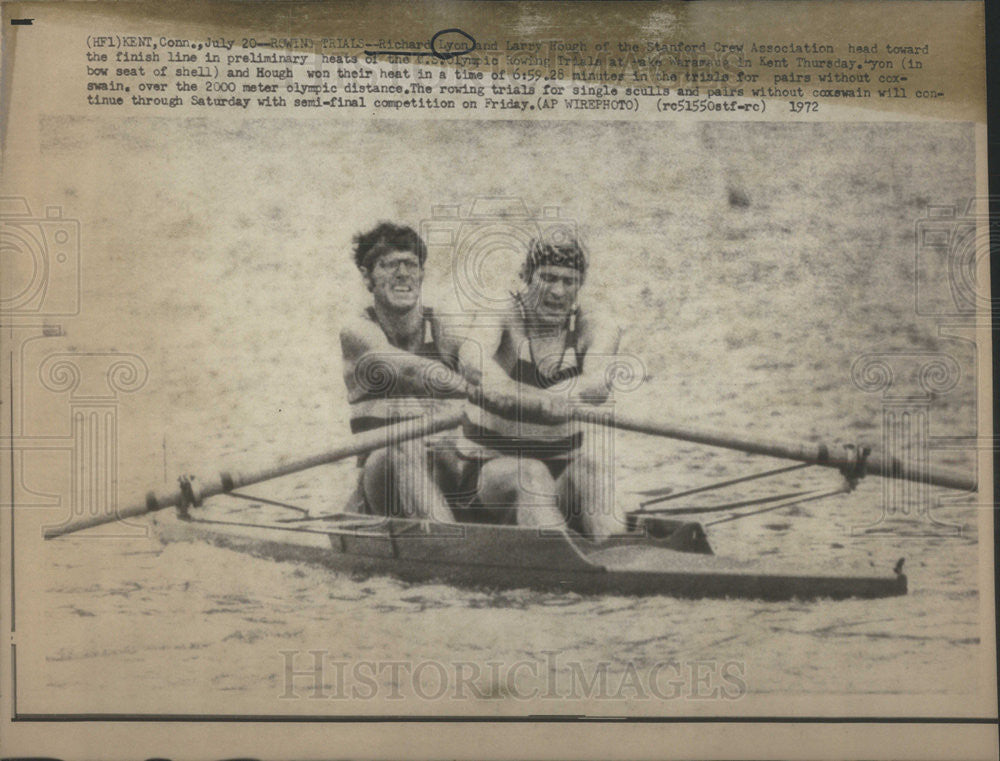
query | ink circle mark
[453, 53]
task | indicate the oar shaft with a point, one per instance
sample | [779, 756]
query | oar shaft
[893, 467]
[814, 454]
[359, 444]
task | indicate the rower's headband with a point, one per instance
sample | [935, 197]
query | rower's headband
[557, 251]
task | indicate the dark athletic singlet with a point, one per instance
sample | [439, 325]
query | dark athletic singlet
[526, 370]
[376, 399]
[501, 433]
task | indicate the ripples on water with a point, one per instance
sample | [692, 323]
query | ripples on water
[199, 619]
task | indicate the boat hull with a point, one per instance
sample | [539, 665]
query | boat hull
[509, 557]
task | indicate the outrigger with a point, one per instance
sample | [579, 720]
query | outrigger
[657, 554]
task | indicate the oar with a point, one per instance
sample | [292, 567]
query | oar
[814, 454]
[554, 411]
[225, 482]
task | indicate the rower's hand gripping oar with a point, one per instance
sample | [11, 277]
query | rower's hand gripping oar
[191, 493]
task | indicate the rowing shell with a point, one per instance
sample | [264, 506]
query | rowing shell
[658, 557]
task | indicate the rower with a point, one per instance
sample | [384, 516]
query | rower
[399, 363]
[547, 350]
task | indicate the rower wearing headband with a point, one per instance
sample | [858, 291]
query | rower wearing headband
[547, 350]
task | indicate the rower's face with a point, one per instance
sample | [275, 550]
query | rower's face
[395, 280]
[552, 292]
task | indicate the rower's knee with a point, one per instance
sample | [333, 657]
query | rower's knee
[498, 482]
[534, 478]
[376, 483]
[538, 504]
[523, 486]
[508, 479]
[589, 490]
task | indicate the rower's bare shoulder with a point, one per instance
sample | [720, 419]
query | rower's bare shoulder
[359, 332]
[450, 330]
[447, 323]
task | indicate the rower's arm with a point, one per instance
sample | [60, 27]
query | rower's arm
[493, 388]
[370, 361]
[602, 337]
[477, 352]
